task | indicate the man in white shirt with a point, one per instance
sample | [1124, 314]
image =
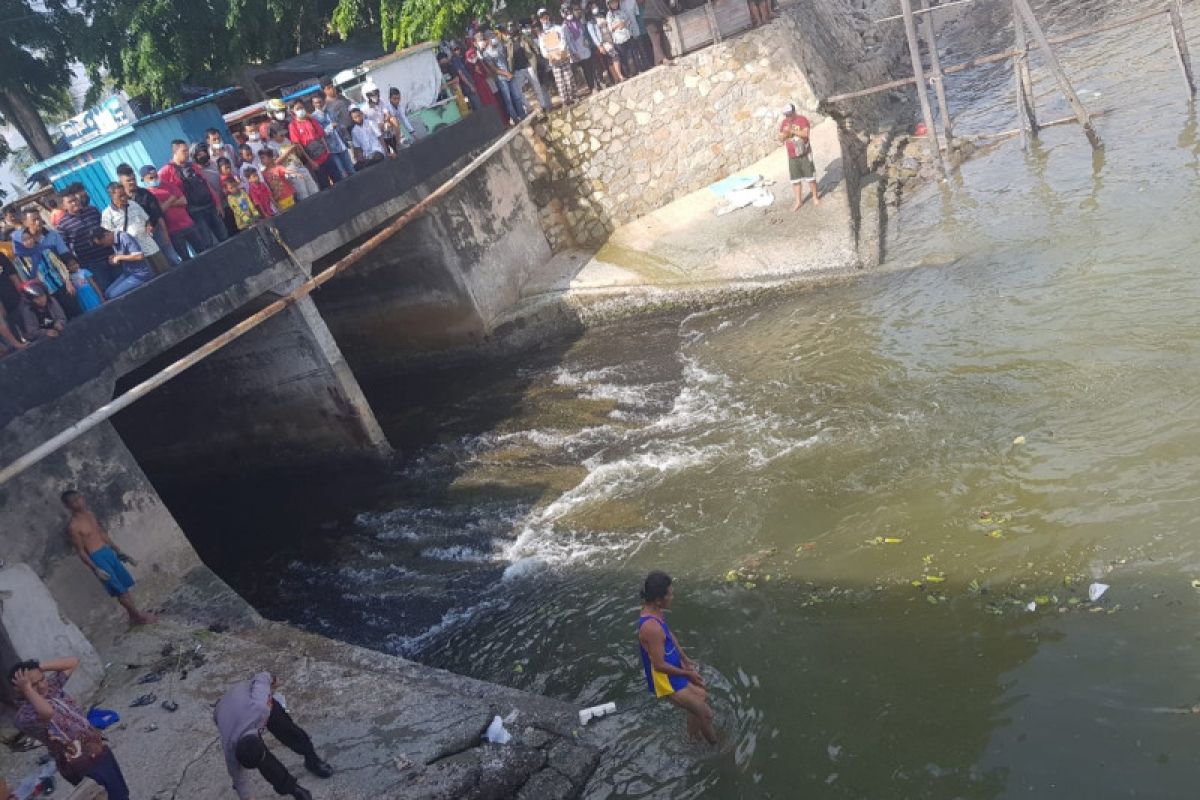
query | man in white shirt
[125, 215]
[368, 147]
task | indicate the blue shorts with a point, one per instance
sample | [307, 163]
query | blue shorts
[119, 580]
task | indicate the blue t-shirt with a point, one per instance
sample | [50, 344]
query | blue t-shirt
[45, 271]
[125, 245]
[85, 295]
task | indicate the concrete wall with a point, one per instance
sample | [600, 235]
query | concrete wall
[634, 148]
[280, 395]
[446, 279]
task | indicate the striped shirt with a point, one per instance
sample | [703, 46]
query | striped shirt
[77, 229]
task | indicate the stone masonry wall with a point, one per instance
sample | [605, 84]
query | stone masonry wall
[641, 144]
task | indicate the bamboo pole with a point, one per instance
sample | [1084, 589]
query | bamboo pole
[1024, 75]
[914, 49]
[1179, 40]
[1060, 75]
[1054, 123]
[924, 11]
[938, 79]
[251, 322]
[1003, 56]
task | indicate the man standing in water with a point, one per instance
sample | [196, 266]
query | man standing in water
[669, 672]
[101, 555]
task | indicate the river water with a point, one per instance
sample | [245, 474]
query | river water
[859, 490]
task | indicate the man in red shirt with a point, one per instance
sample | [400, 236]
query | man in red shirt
[309, 136]
[794, 133]
[180, 226]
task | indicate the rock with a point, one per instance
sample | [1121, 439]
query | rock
[576, 762]
[547, 785]
[642, 117]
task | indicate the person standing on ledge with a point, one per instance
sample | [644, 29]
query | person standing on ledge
[45, 712]
[669, 672]
[241, 715]
[101, 555]
[794, 133]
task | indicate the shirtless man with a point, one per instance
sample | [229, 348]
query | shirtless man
[101, 555]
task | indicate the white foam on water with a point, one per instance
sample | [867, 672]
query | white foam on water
[457, 552]
[565, 377]
[636, 395]
[406, 645]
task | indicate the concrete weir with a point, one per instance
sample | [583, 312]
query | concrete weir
[501, 253]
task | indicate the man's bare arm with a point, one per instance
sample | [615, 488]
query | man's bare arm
[64, 665]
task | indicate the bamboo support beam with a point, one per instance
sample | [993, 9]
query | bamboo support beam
[1026, 110]
[914, 49]
[251, 322]
[1054, 123]
[1182, 54]
[1060, 75]
[1003, 56]
[924, 11]
[938, 78]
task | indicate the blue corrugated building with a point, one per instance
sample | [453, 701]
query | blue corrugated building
[145, 141]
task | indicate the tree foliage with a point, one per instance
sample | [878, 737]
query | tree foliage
[158, 46]
[36, 40]
[406, 22]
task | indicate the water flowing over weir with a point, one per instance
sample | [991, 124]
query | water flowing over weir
[859, 490]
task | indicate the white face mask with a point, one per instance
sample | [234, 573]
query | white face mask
[281, 115]
[254, 137]
[301, 114]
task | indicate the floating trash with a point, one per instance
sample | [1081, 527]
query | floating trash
[1020, 440]
[1096, 591]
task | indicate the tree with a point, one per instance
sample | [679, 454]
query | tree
[156, 47]
[406, 22]
[35, 66]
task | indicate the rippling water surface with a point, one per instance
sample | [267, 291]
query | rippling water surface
[837, 484]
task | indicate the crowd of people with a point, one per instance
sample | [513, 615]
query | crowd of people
[69, 257]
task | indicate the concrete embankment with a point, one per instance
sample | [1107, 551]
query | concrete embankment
[390, 728]
[597, 207]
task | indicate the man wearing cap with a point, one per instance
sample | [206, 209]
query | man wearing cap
[40, 316]
[247, 709]
[203, 205]
[794, 133]
[553, 44]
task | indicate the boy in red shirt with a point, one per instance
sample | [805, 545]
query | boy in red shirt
[794, 133]
[275, 177]
[260, 193]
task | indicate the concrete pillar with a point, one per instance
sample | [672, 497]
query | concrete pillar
[281, 396]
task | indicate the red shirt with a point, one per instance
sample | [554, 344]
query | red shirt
[795, 149]
[303, 131]
[177, 218]
[260, 194]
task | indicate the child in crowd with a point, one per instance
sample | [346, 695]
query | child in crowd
[225, 170]
[260, 193]
[244, 212]
[246, 154]
[282, 192]
[87, 293]
[285, 155]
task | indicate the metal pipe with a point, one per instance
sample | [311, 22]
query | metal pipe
[251, 322]
[924, 11]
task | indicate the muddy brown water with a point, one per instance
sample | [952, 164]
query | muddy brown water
[837, 484]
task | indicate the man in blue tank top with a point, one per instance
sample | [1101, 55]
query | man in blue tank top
[669, 672]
